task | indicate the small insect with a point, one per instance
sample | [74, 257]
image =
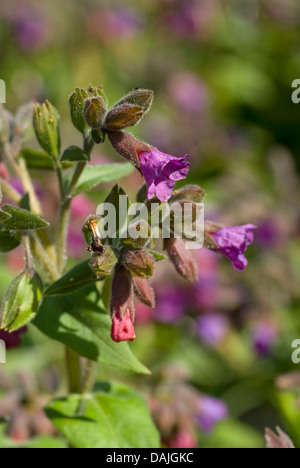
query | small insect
[92, 234]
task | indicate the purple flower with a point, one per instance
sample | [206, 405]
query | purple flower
[188, 92]
[12, 340]
[268, 234]
[233, 243]
[161, 171]
[264, 336]
[211, 411]
[30, 29]
[212, 328]
[206, 290]
[170, 304]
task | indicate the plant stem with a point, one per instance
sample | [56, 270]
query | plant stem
[73, 370]
[89, 377]
[42, 256]
[64, 215]
[27, 251]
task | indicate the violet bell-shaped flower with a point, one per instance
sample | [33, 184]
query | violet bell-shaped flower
[161, 171]
[233, 243]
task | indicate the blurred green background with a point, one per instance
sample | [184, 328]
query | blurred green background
[222, 72]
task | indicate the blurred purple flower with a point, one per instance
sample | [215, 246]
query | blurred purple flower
[264, 335]
[268, 234]
[233, 243]
[30, 28]
[189, 93]
[171, 304]
[212, 328]
[211, 411]
[161, 171]
[12, 340]
[76, 243]
[205, 290]
[81, 206]
[114, 23]
[17, 185]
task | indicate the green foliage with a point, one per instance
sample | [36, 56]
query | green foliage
[99, 173]
[21, 301]
[81, 323]
[74, 153]
[80, 276]
[18, 219]
[112, 417]
[9, 240]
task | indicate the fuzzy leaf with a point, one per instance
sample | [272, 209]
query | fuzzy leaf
[81, 323]
[113, 417]
[21, 220]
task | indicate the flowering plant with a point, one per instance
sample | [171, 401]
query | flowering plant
[71, 306]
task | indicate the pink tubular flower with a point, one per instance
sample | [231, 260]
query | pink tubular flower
[183, 439]
[161, 171]
[233, 243]
[122, 328]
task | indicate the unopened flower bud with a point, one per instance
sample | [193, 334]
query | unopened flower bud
[128, 146]
[103, 264]
[143, 291]
[76, 101]
[139, 263]
[209, 229]
[94, 111]
[138, 97]
[122, 117]
[46, 127]
[139, 235]
[182, 258]
[95, 91]
[192, 193]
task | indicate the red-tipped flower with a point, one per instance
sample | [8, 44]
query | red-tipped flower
[122, 328]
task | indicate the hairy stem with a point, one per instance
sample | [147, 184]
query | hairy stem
[27, 251]
[73, 369]
[89, 376]
[64, 215]
[43, 258]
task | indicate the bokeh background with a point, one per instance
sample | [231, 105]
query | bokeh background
[222, 72]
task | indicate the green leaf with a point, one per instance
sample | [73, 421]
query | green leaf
[99, 173]
[74, 153]
[113, 417]
[40, 160]
[158, 257]
[8, 240]
[37, 442]
[81, 323]
[20, 219]
[44, 442]
[4, 217]
[21, 301]
[77, 278]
